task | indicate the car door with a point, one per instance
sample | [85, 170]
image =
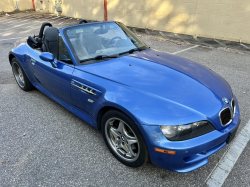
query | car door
[56, 80]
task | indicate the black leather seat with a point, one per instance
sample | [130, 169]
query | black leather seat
[50, 41]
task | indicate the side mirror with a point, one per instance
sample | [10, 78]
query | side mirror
[48, 57]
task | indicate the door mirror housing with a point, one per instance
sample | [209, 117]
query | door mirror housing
[48, 57]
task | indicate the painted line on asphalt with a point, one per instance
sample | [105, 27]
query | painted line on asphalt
[14, 17]
[185, 49]
[223, 168]
[17, 21]
[245, 46]
[55, 17]
[6, 19]
[10, 20]
[11, 38]
[222, 44]
[34, 23]
[30, 28]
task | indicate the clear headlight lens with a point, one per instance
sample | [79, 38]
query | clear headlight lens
[185, 132]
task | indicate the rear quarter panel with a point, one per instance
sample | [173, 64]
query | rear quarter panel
[23, 52]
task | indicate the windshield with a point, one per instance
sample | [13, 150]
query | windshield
[105, 39]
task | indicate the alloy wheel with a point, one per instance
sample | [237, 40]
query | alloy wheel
[122, 139]
[18, 75]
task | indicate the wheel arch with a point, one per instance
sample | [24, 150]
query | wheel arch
[106, 108]
[11, 56]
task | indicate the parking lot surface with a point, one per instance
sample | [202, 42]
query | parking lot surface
[43, 144]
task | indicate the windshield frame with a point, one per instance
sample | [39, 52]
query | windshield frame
[91, 60]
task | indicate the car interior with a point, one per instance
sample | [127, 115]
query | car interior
[49, 40]
[87, 41]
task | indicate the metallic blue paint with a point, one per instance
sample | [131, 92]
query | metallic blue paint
[45, 56]
[190, 154]
[153, 88]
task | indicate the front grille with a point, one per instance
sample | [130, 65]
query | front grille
[233, 105]
[225, 116]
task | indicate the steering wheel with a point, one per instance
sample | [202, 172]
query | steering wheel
[111, 40]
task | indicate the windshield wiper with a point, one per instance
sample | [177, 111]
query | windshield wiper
[105, 56]
[130, 51]
[99, 57]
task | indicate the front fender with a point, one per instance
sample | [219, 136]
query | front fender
[143, 107]
[149, 109]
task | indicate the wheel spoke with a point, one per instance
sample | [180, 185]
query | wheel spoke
[114, 132]
[121, 127]
[125, 148]
[131, 151]
[128, 136]
[111, 123]
[121, 151]
[132, 141]
[19, 71]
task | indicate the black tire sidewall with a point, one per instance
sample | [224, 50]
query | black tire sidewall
[143, 157]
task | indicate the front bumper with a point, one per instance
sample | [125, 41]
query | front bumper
[190, 154]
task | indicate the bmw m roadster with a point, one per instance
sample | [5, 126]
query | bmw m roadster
[149, 105]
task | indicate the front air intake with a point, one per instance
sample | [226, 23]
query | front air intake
[225, 116]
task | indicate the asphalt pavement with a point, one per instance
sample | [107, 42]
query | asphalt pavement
[43, 144]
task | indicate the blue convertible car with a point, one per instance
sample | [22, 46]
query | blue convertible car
[149, 105]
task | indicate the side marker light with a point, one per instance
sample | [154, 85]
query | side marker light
[165, 151]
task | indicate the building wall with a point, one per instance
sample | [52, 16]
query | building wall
[7, 5]
[23, 4]
[87, 9]
[220, 19]
[10, 5]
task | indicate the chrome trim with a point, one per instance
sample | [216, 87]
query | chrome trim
[84, 89]
[233, 108]
[230, 115]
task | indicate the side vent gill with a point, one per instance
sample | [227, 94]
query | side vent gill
[85, 88]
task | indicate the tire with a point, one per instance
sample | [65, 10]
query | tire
[20, 76]
[124, 139]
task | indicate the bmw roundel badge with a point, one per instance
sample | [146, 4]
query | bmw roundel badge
[225, 100]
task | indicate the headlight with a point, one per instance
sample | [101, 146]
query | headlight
[185, 132]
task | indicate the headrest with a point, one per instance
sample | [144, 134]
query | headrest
[51, 34]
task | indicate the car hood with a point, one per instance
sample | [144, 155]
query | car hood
[168, 76]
